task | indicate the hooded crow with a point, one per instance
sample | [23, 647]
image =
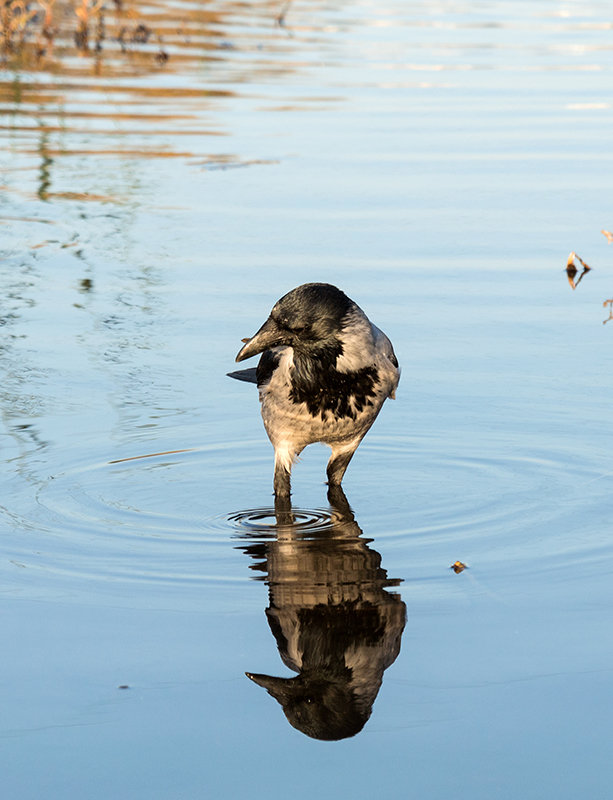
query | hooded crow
[324, 373]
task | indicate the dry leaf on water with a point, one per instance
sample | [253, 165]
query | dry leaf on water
[571, 269]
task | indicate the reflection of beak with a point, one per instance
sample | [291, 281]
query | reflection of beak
[278, 687]
[268, 336]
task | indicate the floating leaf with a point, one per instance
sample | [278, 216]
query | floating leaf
[458, 567]
[571, 269]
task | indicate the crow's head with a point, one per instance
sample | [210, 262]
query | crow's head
[309, 319]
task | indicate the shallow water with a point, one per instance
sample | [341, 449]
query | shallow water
[436, 161]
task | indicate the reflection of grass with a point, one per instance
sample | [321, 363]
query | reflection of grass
[16, 17]
[30, 30]
[117, 36]
[45, 167]
[87, 11]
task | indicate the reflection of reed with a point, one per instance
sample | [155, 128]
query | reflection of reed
[28, 31]
[333, 621]
[16, 17]
[44, 180]
[33, 31]
[211, 50]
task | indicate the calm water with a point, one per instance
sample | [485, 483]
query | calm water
[437, 161]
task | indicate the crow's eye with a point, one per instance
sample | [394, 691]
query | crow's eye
[281, 323]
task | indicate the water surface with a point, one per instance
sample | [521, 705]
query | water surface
[436, 161]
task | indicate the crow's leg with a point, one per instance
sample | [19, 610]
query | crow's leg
[281, 484]
[285, 455]
[338, 463]
[283, 511]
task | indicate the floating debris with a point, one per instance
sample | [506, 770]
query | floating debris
[123, 686]
[151, 455]
[458, 567]
[571, 269]
[610, 304]
[608, 234]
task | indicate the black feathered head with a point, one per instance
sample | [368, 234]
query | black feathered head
[308, 318]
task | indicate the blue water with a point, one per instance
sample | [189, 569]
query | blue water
[438, 162]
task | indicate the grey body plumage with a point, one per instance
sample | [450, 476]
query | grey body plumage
[324, 373]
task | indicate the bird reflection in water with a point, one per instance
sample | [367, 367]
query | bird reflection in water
[334, 622]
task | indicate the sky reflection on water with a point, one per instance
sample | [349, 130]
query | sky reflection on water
[438, 162]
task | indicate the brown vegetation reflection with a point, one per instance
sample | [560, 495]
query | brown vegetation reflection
[127, 78]
[334, 622]
[43, 34]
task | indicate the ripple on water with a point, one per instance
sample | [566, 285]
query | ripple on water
[140, 519]
[516, 501]
[264, 522]
[157, 519]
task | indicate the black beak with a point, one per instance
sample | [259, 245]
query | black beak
[268, 336]
[280, 688]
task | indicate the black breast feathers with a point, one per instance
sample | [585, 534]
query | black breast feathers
[323, 388]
